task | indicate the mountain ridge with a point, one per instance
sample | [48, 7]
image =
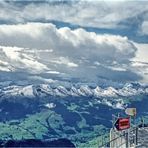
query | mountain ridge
[111, 96]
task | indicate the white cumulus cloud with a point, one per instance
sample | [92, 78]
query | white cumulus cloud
[43, 47]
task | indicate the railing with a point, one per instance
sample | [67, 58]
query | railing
[126, 138]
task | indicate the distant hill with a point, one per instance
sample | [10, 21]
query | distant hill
[37, 143]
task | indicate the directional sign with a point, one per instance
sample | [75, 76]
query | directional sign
[131, 111]
[122, 123]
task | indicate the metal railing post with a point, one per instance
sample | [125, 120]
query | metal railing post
[126, 140]
[136, 135]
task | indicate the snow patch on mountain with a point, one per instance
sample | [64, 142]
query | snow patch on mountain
[50, 105]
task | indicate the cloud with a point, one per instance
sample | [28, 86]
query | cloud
[64, 61]
[74, 53]
[67, 42]
[100, 14]
[144, 28]
[140, 61]
[29, 42]
[14, 59]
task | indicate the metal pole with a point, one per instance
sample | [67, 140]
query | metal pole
[136, 135]
[127, 140]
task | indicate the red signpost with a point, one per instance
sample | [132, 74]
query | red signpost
[122, 123]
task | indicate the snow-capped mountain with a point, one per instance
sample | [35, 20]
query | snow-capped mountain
[84, 90]
[110, 96]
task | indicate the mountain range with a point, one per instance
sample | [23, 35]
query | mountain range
[108, 95]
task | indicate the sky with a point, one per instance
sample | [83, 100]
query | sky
[74, 41]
